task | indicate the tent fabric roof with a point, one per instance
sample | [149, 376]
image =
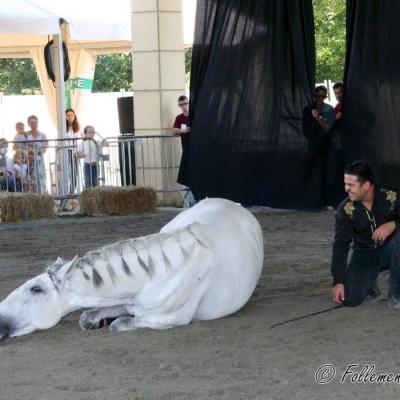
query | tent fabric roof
[88, 19]
[93, 24]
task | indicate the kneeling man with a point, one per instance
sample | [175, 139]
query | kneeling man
[368, 217]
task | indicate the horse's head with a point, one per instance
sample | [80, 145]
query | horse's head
[37, 304]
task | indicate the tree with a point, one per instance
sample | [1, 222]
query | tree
[18, 76]
[330, 32]
[113, 72]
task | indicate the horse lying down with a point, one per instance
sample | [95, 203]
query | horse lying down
[204, 264]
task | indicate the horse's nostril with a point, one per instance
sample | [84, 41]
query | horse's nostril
[4, 332]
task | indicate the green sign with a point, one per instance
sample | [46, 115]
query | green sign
[79, 83]
[76, 84]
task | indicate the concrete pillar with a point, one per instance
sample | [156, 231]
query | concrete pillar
[159, 79]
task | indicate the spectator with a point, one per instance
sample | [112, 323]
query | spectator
[318, 119]
[7, 181]
[19, 137]
[338, 90]
[181, 128]
[21, 170]
[181, 125]
[39, 149]
[72, 129]
[323, 112]
[89, 149]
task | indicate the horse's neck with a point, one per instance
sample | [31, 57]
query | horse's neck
[108, 277]
[114, 274]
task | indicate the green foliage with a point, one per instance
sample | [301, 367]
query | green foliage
[330, 31]
[113, 72]
[188, 59]
[18, 76]
[188, 65]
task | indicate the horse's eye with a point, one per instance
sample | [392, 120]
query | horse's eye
[36, 289]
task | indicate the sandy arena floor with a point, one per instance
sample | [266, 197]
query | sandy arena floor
[238, 357]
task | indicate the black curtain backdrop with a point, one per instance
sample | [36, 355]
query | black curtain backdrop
[371, 118]
[253, 71]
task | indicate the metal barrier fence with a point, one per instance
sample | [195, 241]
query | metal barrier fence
[143, 161]
[51, 166]
[63, 167]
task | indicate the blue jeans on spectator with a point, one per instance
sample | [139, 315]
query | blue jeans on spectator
[90, 170]
[365, 266]
[10, 184]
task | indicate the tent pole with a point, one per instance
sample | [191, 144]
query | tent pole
[58, 58]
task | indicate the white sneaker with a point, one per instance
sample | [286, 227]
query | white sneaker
[394, 302]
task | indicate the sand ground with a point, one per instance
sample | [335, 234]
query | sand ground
[238, 357]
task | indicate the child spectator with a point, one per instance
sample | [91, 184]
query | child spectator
[21, 170]
[20, 137]
[89, 149]
[7, 182]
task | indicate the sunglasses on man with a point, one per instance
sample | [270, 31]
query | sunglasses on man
[183, 104]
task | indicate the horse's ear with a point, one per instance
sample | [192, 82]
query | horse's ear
[61, 273]
[59, 262]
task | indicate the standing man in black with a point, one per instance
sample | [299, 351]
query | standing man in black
[370, 218]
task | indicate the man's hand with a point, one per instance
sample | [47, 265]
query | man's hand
[315, 113]
[338, 293]
[384, 231]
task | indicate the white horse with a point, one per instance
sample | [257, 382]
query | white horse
[204, 264]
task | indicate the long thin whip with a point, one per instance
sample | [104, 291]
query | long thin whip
[306, 316]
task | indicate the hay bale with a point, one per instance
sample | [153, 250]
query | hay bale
[117, 200]
[16, 207]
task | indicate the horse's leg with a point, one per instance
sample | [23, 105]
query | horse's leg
[97, 317]
[181, 316]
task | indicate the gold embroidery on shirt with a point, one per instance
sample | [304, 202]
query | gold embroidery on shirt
[349, 209]
[391, 196]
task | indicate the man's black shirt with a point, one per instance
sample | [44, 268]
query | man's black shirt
[354, 223]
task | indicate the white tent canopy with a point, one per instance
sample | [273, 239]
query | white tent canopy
[91, 27]
[89, 19]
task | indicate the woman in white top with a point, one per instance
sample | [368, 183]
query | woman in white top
[39, 149]
[72, 128]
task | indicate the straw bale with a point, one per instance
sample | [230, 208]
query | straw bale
[117, 200]
[16, 207]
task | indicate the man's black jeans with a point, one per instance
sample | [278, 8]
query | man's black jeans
[365, 266]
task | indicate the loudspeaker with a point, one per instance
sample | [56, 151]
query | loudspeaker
[125, 115]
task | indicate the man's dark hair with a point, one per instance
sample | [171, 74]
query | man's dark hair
[338, 85]
[361, 170]
[182, 98]
[320, 87]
